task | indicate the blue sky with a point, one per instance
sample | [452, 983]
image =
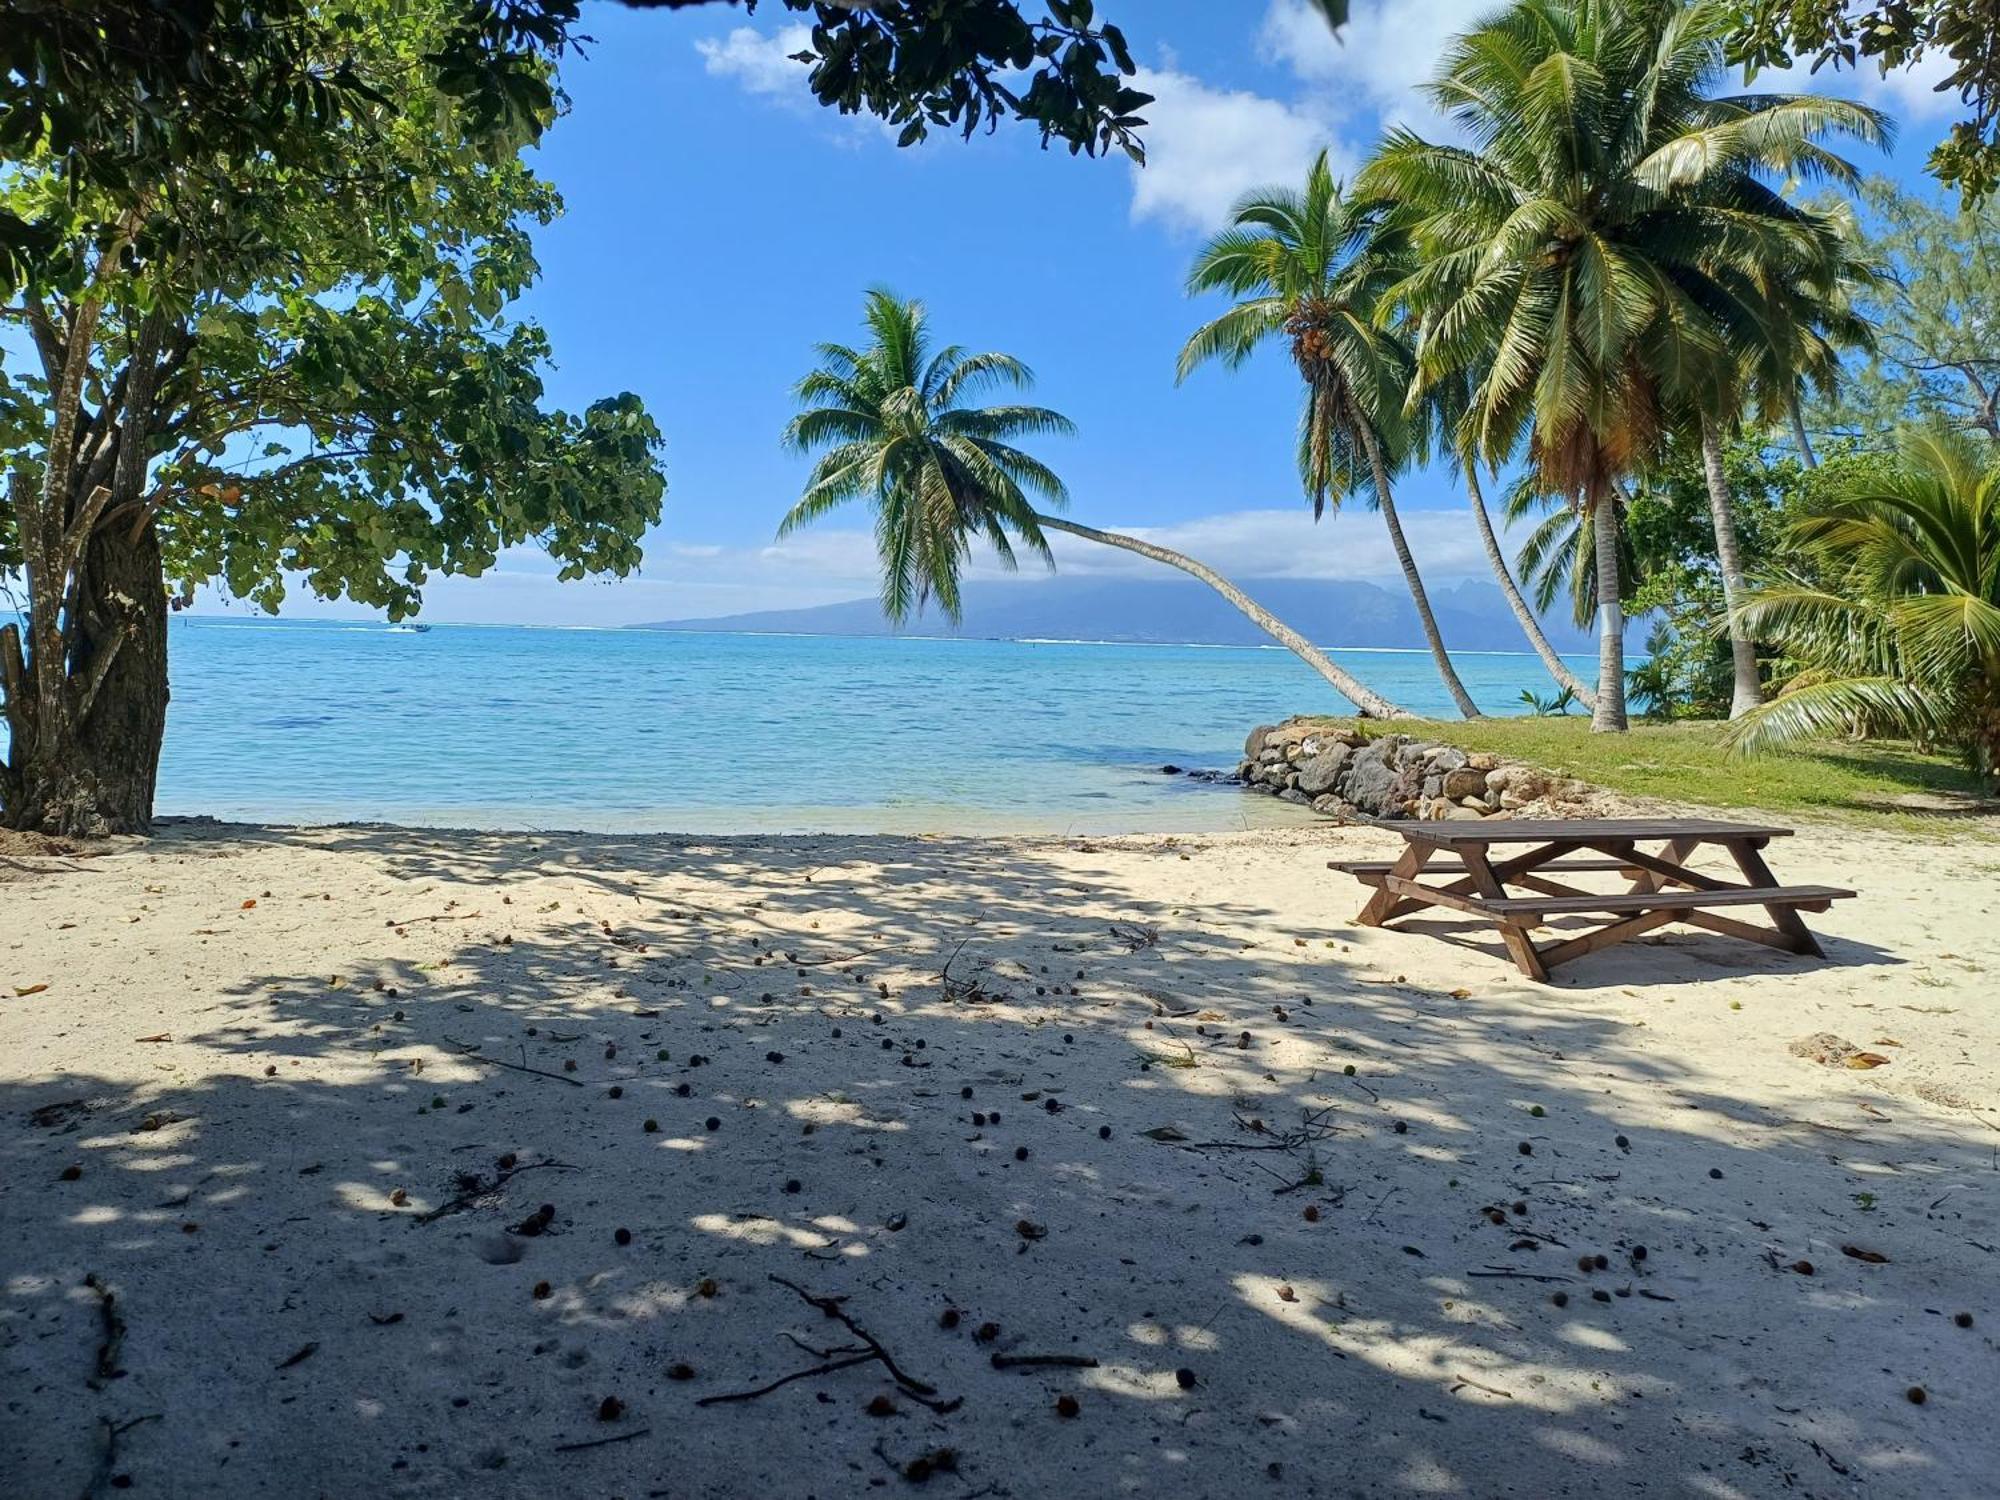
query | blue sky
[719, 223]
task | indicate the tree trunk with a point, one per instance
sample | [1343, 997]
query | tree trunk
[94, 771]
[1530, 626]
[1609, 715]
[1371, 704]
[1409, 564]
[1806, 454]
[1747, 693]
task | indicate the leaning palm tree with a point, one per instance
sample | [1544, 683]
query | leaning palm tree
[1310, 267]
[1570, 256]
[892, 425]
[1897, 622]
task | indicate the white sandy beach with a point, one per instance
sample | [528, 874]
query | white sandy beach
[1304, 1192]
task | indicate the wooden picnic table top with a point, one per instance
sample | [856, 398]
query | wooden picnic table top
[1572, 830]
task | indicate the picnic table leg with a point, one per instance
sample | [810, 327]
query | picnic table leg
[1408, 866]
[1784, 918]
[1520, 947]
[1676, 852]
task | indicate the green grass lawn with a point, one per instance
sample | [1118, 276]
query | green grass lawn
[1687, 763]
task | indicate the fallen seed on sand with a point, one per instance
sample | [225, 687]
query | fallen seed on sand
[622, 1236]
[1066, 1406]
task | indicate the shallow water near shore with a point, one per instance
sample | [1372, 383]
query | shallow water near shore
[514, 727]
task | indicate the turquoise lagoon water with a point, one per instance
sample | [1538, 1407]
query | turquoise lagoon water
[510, 727]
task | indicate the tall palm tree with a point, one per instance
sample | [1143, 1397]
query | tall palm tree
[1570, 255]
[1440, 416]
[1899, 627]
[1558, 556]
[892, 425]
[1310, 267]
[1796, 319]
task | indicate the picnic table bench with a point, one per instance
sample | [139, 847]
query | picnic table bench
[1662, 888]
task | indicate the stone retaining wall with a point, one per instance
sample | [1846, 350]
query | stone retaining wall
[1336, 770]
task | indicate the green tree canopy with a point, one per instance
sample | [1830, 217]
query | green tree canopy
[283, 368]
[1892, 34]
[1934, 303]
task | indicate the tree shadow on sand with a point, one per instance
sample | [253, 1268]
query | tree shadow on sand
[1311, 1227]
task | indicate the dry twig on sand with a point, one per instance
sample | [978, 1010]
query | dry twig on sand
[915, 1389]
[466, 1199]
[470, 1052]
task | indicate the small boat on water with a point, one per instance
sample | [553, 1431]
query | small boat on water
[412, 629]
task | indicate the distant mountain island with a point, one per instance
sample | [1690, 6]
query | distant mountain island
[1473, 616]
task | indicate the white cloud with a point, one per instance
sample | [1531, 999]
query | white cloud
[1380, 59]
[1910, 93]
[761, 63]
[1288, 543]
[1206, 147]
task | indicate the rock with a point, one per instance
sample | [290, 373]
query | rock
[1375, 784]
[1293, 794]
[1433, 785]
[1825, 1048]
[1448, 758]
[1255, 742]
[1483, 761]
[1463, 813]
[1170, 770]
[1320, 772]
[1524, 782]
[1464, 782]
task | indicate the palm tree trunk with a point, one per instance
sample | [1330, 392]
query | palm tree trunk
[1806, 454]
[1371, 704]
[1747, 693]
[1609, 715]
[1416, 584]
[1530, 626]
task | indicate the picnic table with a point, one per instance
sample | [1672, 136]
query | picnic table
[1662, 887]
